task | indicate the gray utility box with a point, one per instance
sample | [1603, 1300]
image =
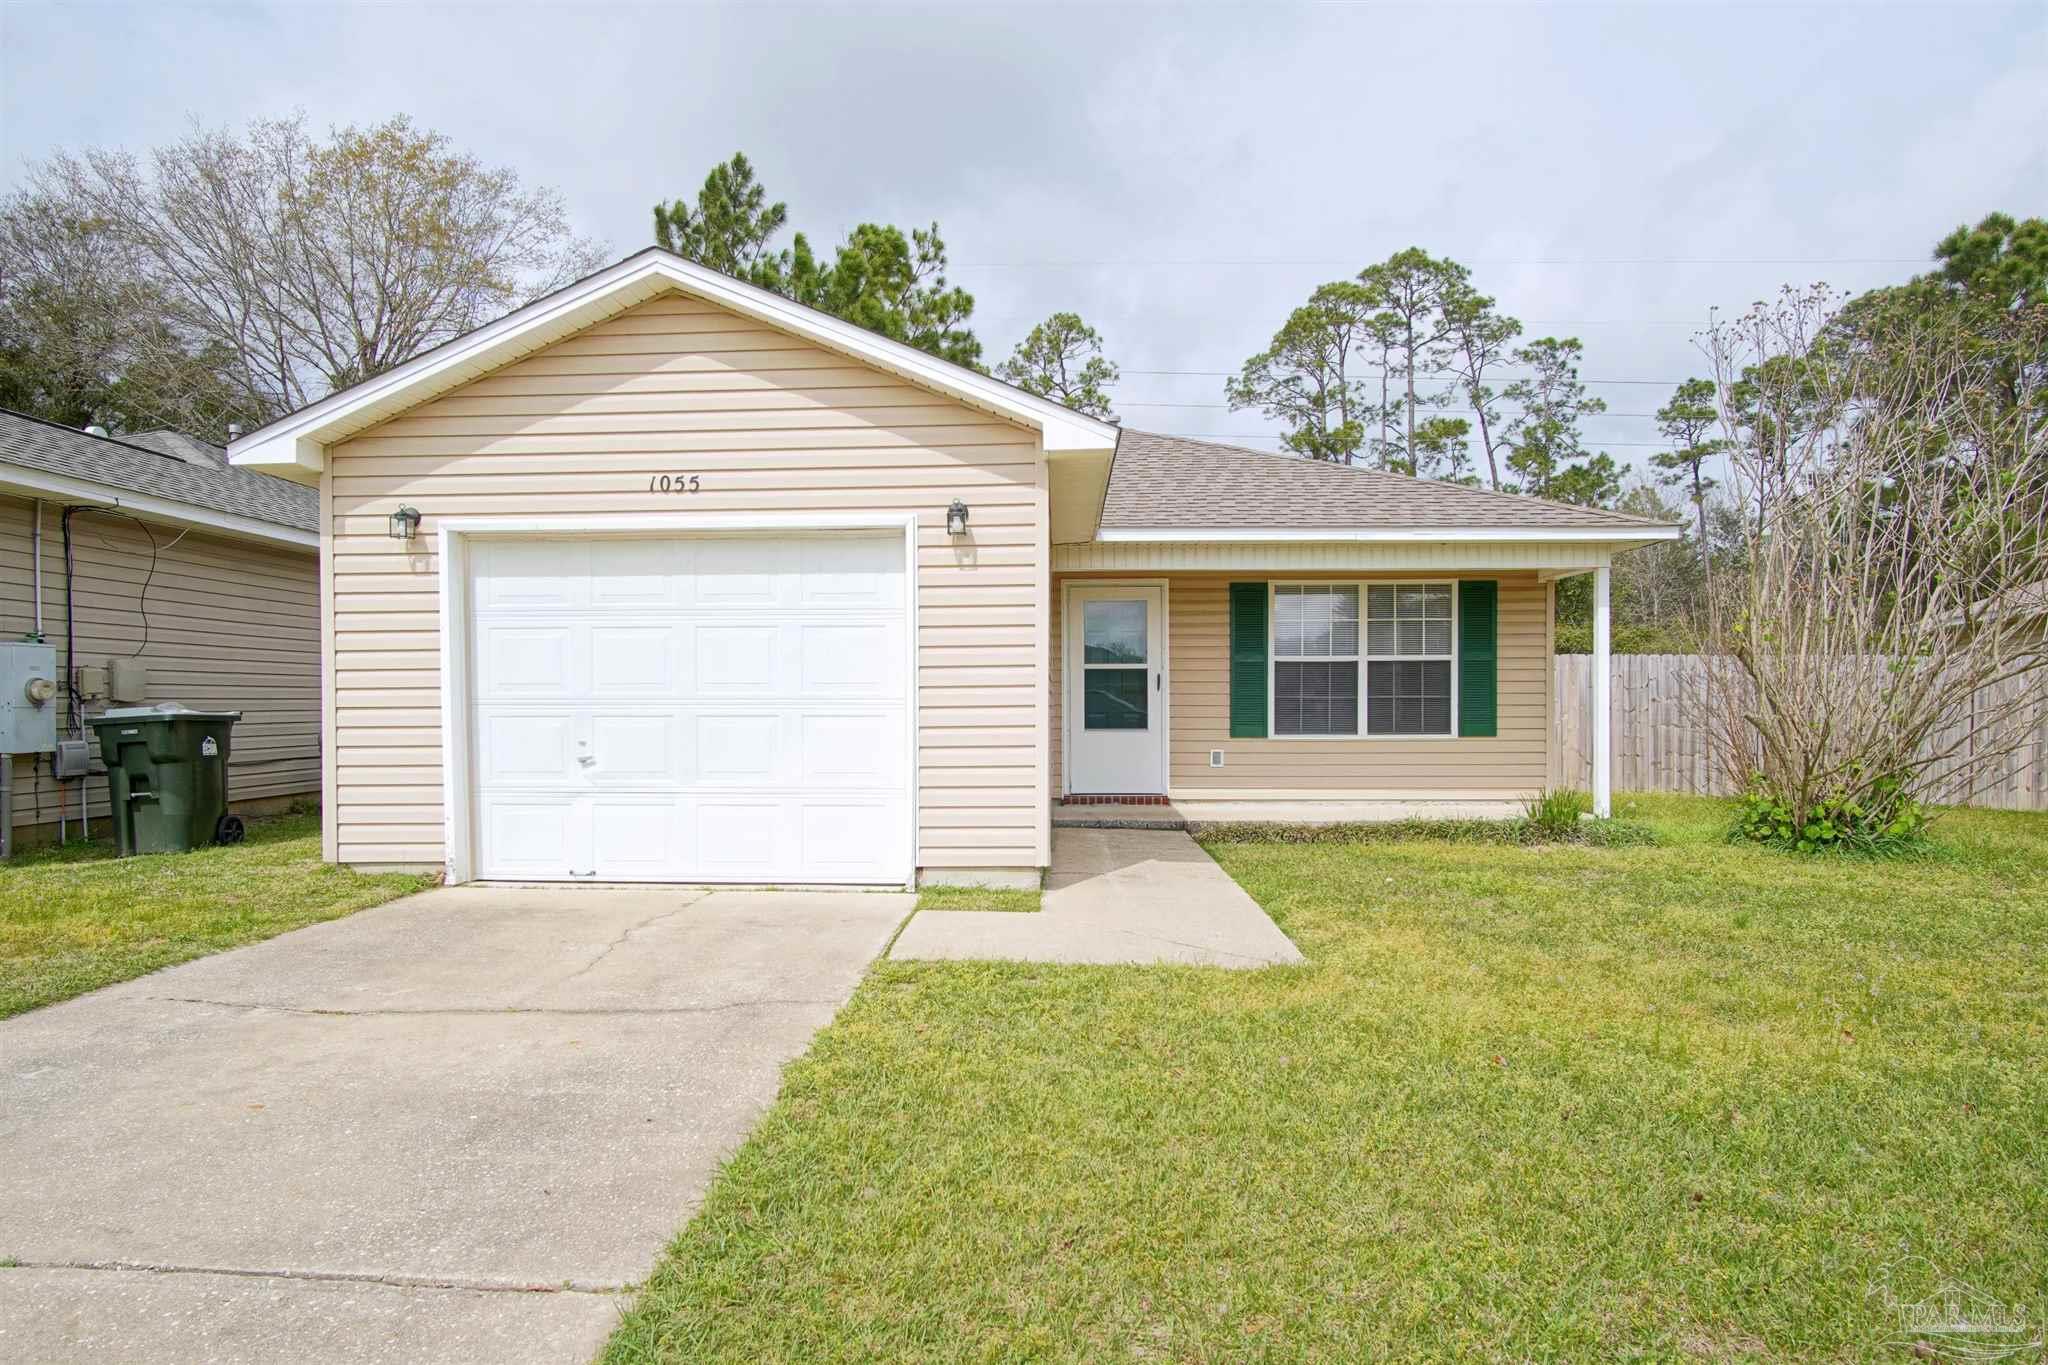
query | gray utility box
[28, 698]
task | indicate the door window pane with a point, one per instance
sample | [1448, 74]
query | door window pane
[1113, 632]
[1115, 699]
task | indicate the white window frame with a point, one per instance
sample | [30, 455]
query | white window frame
[1363, 658]
[1273, 659]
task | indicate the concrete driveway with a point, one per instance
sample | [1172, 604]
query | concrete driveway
[449, 1128]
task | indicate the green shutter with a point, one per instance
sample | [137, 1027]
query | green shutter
[1478, 656]
[1247, 660]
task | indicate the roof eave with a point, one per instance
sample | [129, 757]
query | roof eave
[27, 481]
[294, 447]
[1616, 537]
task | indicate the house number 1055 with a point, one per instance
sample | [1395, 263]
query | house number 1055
[674, 483]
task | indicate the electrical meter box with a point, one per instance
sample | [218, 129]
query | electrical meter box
[28, 698]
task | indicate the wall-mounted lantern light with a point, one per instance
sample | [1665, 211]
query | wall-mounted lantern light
[405, 523]
[956, 518]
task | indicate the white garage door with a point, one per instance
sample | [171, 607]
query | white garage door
[717, 708]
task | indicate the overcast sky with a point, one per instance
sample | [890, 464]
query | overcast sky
[1182, 178]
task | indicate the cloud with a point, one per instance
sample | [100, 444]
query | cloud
[1583, 161]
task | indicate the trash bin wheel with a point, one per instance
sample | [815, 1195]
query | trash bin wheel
[229, 830]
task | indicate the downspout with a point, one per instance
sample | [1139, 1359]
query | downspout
[38, 542]
[71, 673]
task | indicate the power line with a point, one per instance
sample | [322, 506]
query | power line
[1225, 407]
[1502, 374]
[1274, 436]
[1473, 260]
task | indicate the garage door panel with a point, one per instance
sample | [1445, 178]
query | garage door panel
[637, 750]
[528, 574]
[522, 661]
[637, 840]
[636, 573]
[693, 708]
[637, 660]
[741, 571]
[735, 660]
[855, 659]
[526, 749]
[535, 837]
[851, 750]
[741, 839]
[740, 749]
[845, 837]
[850, 573]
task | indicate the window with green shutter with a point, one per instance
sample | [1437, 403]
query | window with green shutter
[1478, 656]
[1247, 660]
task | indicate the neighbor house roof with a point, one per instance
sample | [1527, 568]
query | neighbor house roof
[62, 463]
[1172, 487]
[178, 446]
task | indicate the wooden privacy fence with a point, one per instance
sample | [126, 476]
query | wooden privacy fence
[1658, 744]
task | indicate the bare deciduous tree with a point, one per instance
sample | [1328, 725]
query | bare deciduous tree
[311, 265]
[1866, 655]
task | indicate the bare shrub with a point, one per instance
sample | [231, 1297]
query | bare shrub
[1870, 654]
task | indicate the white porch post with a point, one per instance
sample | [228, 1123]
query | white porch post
[1603, 763]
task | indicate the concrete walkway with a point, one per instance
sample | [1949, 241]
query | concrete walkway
[1115, 896]
[451, 1128]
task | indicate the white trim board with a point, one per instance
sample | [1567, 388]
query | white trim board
[1438, 558]
[458, 782]
[1393, 535]
[295, 446]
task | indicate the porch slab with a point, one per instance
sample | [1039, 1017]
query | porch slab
[1121, 896]
[1117, 815]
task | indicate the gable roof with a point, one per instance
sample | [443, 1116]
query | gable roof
[1171, 487]
[295, 445]
[75, 465]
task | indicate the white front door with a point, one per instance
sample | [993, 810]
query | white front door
[726, 708]
[1116, 690]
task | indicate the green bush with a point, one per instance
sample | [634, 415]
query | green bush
[1577, 638]
[1556, 811]
[1884, 820]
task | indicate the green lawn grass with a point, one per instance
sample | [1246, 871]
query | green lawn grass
[976, 898]
[1553, 1103]
[75, 918]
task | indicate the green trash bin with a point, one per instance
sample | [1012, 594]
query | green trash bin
[167, 777]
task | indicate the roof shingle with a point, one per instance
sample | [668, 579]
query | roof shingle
[117, 463]
[1173, 483]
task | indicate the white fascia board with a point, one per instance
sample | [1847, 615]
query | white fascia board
[36, 483]
[1402, 535]
[295, 445]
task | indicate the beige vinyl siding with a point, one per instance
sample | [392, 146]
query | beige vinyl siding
[232, 625]
[1513, 763]
[772, 424]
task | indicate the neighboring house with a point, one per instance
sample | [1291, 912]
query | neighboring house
[205, 575]
[684, 604]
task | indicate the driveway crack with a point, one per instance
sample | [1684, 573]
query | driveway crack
[624, 937]
[399, 1281]
[488, 1009]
